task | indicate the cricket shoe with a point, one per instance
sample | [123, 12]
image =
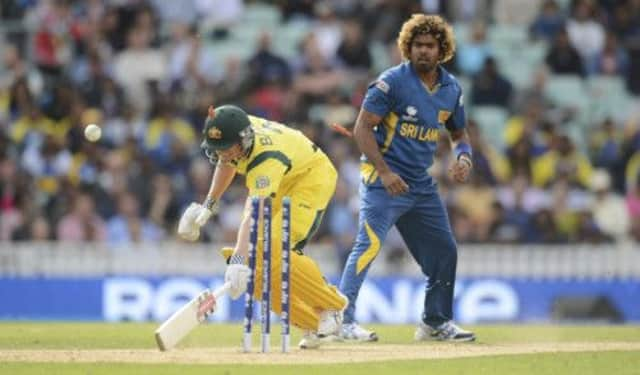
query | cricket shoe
[446, 331]
[330, 323]
[353, 331]
[310, 340]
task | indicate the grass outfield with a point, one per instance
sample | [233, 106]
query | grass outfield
[96, 348]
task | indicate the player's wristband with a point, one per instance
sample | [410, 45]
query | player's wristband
[236, 259]
[461, 149]
[210, 204]
[466, 159]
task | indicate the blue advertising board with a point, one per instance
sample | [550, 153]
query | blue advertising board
[384, 299]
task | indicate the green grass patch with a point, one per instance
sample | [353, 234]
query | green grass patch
[619, 363]
[87, 336]
[53, 335]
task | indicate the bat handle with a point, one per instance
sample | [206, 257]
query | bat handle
[222, 290]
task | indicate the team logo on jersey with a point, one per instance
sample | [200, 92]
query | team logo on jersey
[411, 114]
[214, 133]
[383, 86]
[262, 182]
[443, 116]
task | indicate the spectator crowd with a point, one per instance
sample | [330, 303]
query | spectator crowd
[146, 71]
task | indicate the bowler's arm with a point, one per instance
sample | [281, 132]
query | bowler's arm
[458, 136]
[366, 140]
[461, 166]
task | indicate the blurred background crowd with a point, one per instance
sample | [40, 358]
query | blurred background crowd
[552, 93]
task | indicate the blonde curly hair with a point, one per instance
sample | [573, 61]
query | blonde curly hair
[427, 24]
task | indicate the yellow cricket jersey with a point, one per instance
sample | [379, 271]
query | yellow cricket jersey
[280, 156]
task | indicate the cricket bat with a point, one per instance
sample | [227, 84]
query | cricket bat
[188, 317]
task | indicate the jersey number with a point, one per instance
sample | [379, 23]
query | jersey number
[265, 140]
[269, 126]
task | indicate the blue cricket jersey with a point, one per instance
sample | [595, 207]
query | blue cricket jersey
[412, 117]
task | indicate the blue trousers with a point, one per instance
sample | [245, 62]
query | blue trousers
[423, 223]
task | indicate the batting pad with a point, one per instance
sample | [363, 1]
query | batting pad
[310, 293]
[308, 284]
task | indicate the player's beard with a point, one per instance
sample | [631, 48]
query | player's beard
[425, 66]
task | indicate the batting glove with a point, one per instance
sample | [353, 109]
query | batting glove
[237, 274]
[194, 217]
[187, 227]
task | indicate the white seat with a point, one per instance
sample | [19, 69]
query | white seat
[609, 97]
[491, 120]
[568, 91]
[262, 14]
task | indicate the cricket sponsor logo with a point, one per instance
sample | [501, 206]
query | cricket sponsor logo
[396, 301]
[411, 114]
[382, 299]
[138, 299]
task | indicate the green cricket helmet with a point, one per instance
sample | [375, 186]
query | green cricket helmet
[226, 126]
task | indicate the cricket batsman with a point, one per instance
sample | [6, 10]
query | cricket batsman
[397, 131]
[277, 161]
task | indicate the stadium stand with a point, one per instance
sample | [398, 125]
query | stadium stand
[147, 71]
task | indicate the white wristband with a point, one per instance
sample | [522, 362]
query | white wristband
[236, 259]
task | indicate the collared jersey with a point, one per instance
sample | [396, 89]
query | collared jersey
[279, 156]
[412, 117]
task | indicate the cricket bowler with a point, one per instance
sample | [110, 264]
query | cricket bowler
[397, 131]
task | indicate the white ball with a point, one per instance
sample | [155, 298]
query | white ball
[92, 132]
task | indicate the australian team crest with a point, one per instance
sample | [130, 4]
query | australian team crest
[262, 182]
[214, 133]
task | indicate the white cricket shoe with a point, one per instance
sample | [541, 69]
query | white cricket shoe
[447, 331]
[353, 331]
[330, 323]
[310, 340]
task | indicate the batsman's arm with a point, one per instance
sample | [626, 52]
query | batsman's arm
[263, 181]
[242, 242]
[197, 215]
[221, 180]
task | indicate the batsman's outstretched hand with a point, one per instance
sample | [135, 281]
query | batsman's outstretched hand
[194, 217]
[461, 169]
[393, 183]
[203, 216]
[238, 276]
